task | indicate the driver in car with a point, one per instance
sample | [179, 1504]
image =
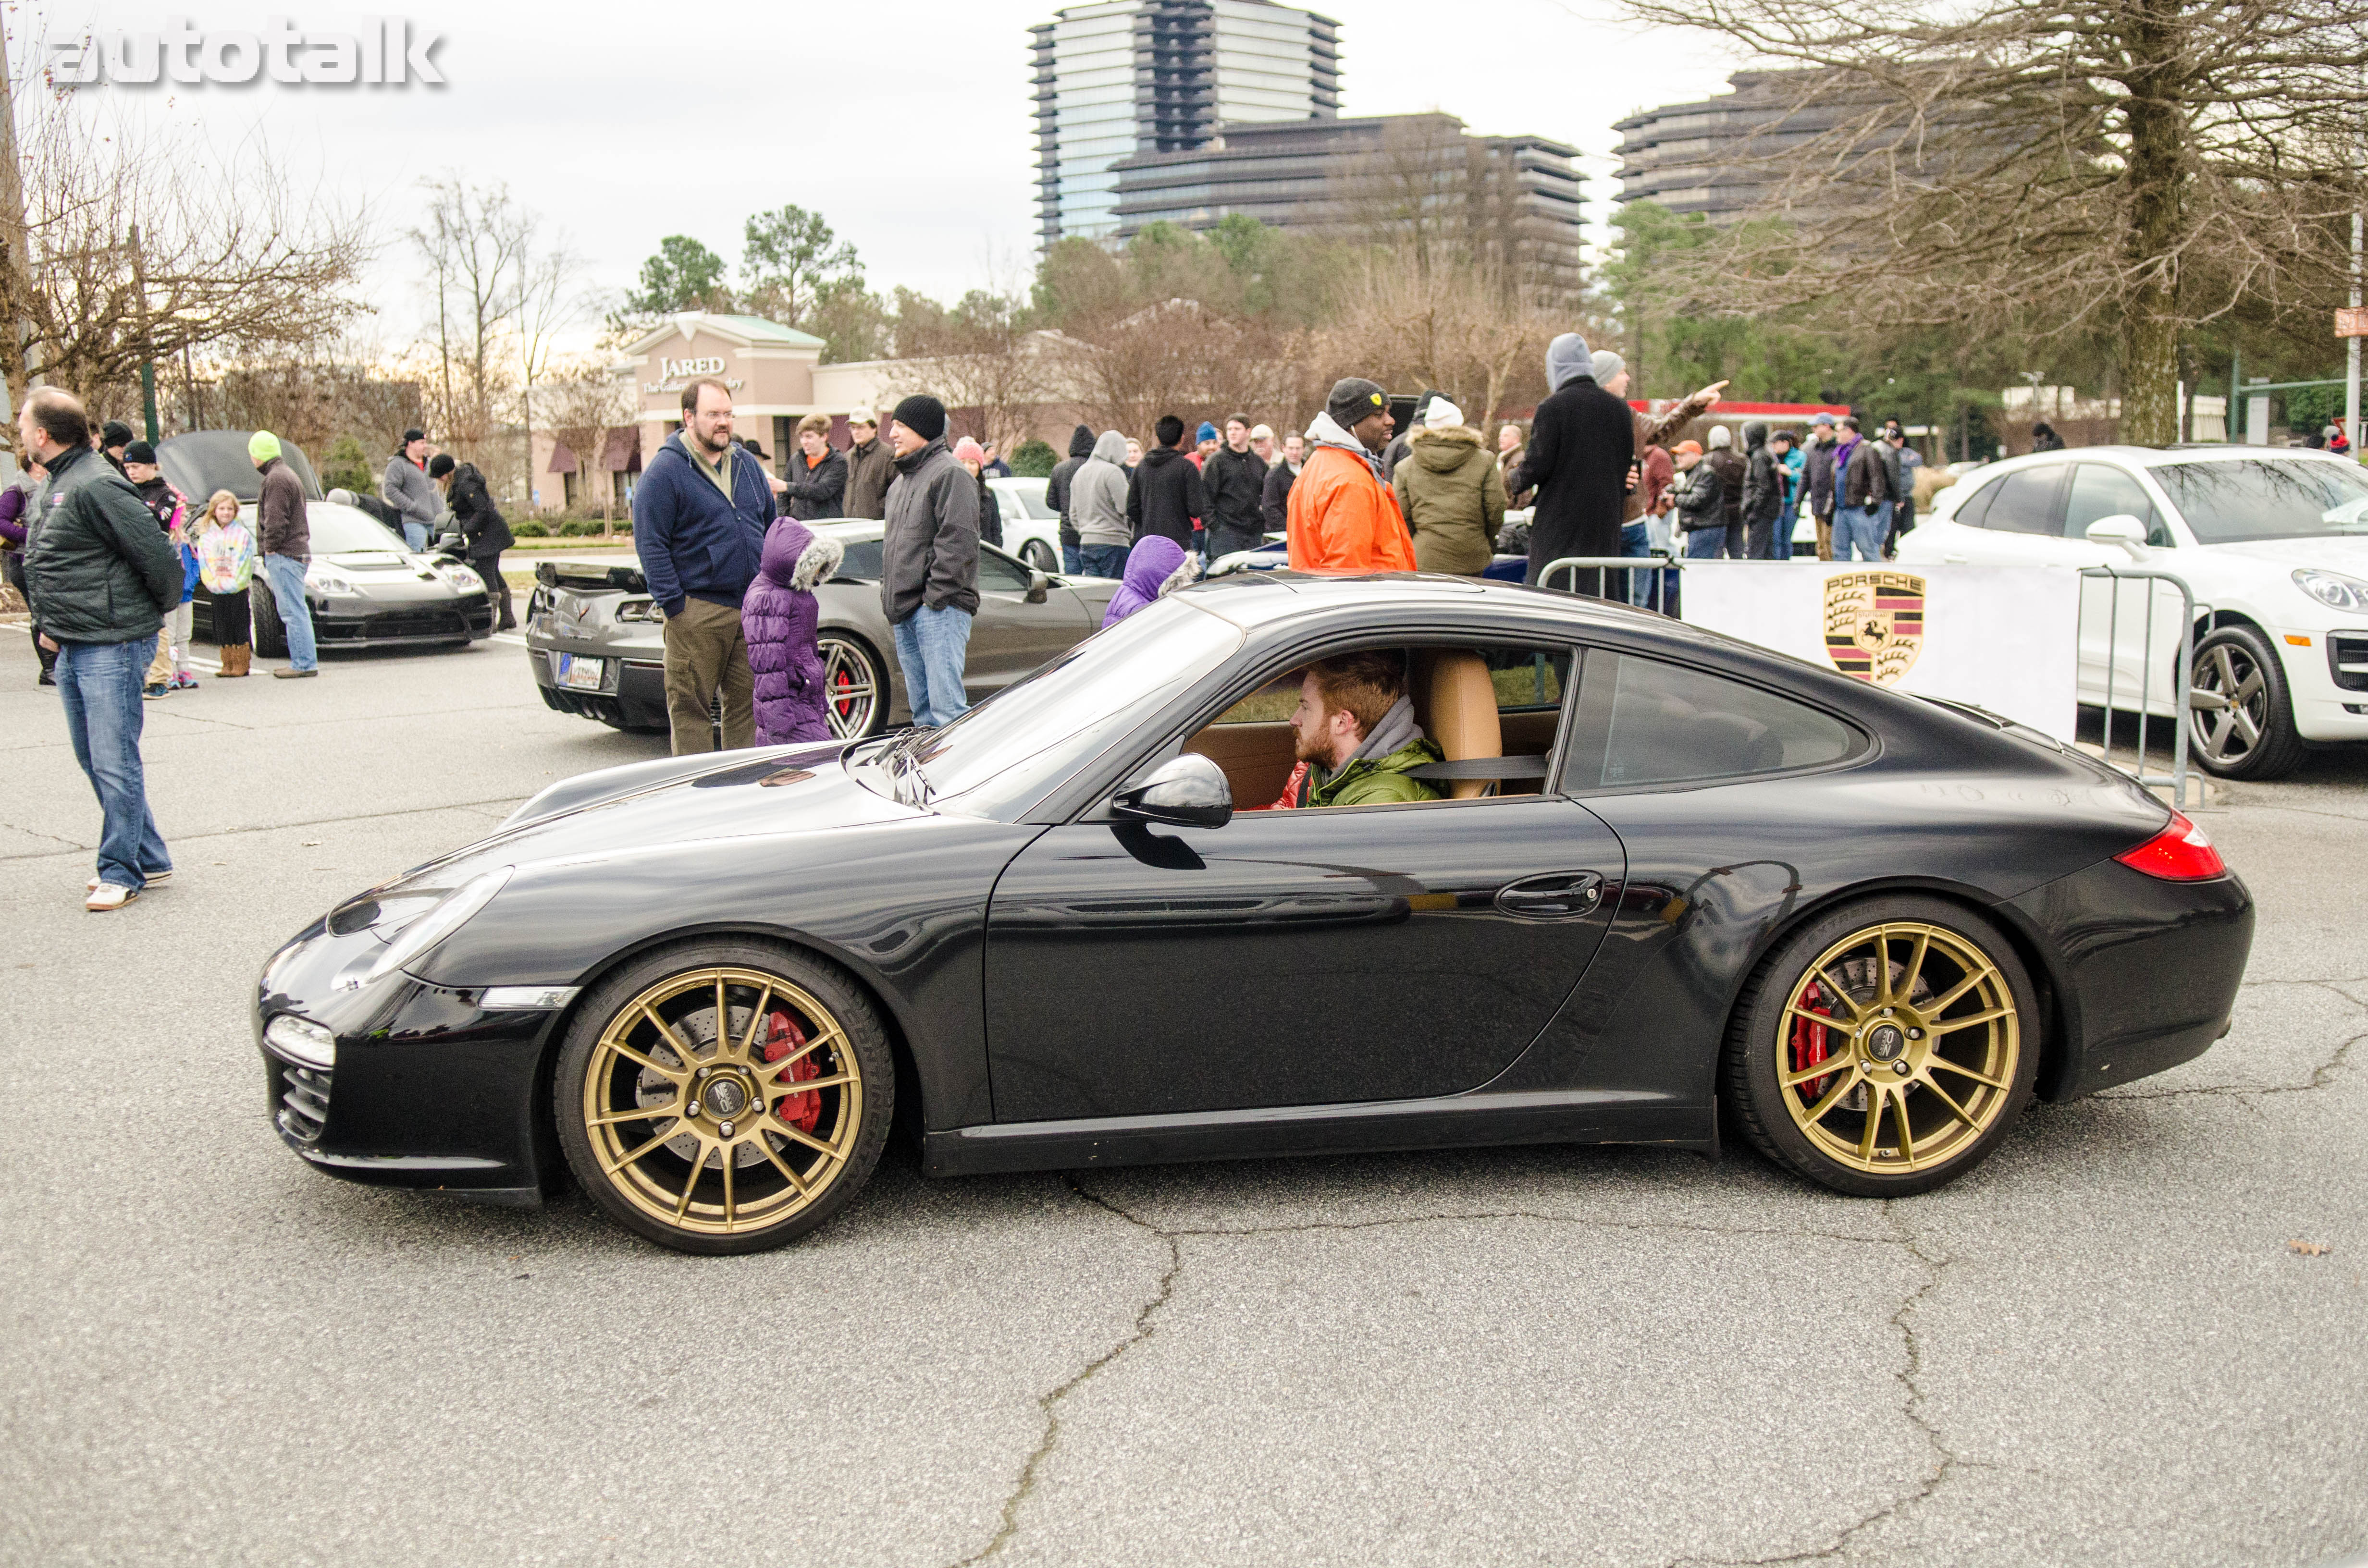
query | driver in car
[1356, 736]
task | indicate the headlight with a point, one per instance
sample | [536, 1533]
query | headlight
[447, 915]
[2333, 589]
[328, 580]
[638, 609]
[302, 1040]
[460, 576]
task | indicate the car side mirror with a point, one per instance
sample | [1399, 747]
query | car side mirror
[1184, 791]
[1039, 586]
[2122, 529]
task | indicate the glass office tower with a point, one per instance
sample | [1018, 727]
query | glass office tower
[1128, 77]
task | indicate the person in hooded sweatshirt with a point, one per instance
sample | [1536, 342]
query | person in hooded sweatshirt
[1341, 517]
[1097, 498]
[778, 618]
[1166, 495]
[1763, 494]
[1451, 492]
[1722, 457]
[1056, 495]
[1157, 565]
[1582, 452]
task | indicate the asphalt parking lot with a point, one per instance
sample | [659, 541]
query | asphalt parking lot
[2133, 1336]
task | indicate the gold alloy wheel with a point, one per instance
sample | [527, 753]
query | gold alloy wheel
[723, 1100]
[1897, 1048]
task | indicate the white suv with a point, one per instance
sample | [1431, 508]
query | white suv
[2274, 544]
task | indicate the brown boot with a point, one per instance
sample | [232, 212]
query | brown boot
[234, 659]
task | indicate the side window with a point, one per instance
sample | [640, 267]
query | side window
[2027, 503]
[998, 573]
[1972, 513]
[1669, 725]
[862, 561]
[2100, 490]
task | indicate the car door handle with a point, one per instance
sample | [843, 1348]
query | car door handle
[1557, 895]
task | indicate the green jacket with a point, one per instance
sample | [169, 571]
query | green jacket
[1454, 499]
[1375, 781]
[98, 569]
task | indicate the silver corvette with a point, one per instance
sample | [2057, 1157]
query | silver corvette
[593, 636]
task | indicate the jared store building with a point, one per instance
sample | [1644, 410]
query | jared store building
[775, 376]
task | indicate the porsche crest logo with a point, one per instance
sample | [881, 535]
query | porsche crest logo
[1874, 623]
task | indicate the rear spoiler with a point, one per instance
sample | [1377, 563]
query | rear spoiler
[593, 576]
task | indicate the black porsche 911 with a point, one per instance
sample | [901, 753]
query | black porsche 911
[1668, 872]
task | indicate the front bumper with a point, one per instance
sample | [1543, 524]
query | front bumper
[429, 1090]
[340, 625]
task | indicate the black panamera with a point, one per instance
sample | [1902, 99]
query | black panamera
[1673, 872]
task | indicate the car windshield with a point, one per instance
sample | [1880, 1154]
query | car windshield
[341, 530]
[1030, 493]
[2251, 498]
[998, 758]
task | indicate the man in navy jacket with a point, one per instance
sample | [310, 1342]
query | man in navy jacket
[700, 516]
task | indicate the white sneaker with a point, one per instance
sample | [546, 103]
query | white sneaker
[108, 897]
[155, 878]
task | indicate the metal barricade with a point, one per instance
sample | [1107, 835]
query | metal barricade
[2183, 715]
[1656, 563]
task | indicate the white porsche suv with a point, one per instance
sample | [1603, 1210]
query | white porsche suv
[2272, 543]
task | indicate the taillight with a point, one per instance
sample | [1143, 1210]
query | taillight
[2181, 852]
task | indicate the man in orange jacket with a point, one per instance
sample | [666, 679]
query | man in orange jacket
[1342, 518]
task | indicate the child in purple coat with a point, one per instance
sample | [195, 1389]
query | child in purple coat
[778, 617]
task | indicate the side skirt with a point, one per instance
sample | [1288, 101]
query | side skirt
[1583, 1116]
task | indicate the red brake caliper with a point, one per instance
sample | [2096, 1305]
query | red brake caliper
[1808, 1044]
[845, 705]
[782, 1037]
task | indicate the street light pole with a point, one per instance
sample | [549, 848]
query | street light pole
[2351, 350]
[147, 343]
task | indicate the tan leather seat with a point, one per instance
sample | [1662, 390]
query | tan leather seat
[1459, 711]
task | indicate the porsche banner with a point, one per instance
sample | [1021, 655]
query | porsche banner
[2001, 637]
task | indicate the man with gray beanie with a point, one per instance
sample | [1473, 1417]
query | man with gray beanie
[928, 576]
[1582, 457]
[1341, 517]
[1652, 429]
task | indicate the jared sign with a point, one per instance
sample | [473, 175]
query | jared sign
[2000, 636]
[671, 368]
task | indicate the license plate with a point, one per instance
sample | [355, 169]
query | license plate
[579, 674]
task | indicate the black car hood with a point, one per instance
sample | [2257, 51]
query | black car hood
[685, 800]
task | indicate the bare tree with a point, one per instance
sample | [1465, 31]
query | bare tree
[2121, 170]
[549, 303]
[586, 404]
[230, 261]
[475, 242]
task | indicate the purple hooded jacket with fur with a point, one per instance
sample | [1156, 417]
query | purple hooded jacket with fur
[1154, 566]
[778, 617]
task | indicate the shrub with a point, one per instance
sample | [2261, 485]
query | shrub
[529, 531]
[1033, 459]
[345, 466]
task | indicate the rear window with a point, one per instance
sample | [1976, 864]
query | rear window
[1671, 725]
[2024, 502]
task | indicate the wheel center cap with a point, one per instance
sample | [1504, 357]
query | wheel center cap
[725, 1096]
[1885, 1043]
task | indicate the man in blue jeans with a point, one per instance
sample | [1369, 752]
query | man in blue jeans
[1862, 484]
[100, 575]
[929, 577]
[285, 533]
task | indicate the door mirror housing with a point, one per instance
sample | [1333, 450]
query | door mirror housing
[1038, 585]
[1190, 790]
[2122, 529]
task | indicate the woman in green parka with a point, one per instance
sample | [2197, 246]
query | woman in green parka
[1451, 492]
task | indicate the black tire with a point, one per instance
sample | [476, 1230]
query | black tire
[851, 665]
[1040, 555]
[1899, 1076]
[2252, 735]
[270, 632]
[634, 1165]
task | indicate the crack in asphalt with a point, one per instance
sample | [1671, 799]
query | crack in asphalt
[1008, 1525]
[2321, 1075]
[272, 827]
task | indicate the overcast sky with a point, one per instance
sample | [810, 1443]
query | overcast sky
[908, 126]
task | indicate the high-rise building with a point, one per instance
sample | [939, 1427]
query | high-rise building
[1723, 157]
[1366, 175]
[1123, 77]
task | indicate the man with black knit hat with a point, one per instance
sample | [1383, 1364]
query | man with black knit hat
[1341, 517]
[1581, 454]
[113, 436]
[929, 575]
